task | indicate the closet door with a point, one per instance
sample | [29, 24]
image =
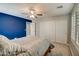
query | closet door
[47, 30]
[61, 30]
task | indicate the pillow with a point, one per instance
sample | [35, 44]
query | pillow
[4, 41]
[25, 40]
[9, 48]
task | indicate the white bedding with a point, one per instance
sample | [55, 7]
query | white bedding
[35, 46]
[9, 48]
[38, 48]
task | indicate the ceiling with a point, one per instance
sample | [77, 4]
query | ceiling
[48, 9]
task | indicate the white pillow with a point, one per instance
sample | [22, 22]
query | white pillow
[7, 47]
[4, 41]
[24, 40]
[3, 37]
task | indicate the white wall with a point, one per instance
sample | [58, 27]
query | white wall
[61, 29]
[53, 29]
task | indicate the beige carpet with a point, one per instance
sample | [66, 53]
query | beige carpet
[60, 50]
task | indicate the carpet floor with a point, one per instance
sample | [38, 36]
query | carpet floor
[60, 50]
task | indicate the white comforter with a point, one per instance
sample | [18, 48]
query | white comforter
[34, 45]
[25, 46]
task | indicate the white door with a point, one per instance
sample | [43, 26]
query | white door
[47, 30]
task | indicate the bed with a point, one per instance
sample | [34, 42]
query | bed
[25, 46]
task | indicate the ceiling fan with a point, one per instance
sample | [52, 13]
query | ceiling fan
[33, 13]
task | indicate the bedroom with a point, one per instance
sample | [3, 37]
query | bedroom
[39, 29]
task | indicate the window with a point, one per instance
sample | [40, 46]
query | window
[75, 24]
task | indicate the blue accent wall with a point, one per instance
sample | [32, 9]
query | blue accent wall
[12, 26]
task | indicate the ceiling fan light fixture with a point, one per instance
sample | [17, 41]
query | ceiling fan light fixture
[32, 16]
[32, 12]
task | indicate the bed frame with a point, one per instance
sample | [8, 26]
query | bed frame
[49, 49]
